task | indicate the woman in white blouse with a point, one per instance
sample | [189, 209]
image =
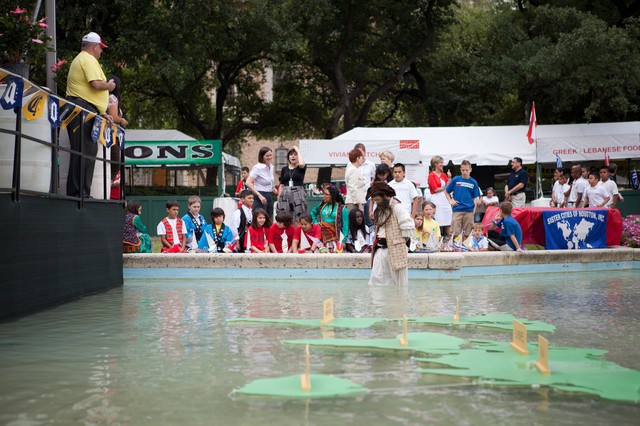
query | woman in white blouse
[355, 181]
[260, 181]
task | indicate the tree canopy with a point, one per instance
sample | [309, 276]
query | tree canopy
[294, 68]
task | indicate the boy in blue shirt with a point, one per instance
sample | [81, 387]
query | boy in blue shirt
[510, 236]
[466, 195]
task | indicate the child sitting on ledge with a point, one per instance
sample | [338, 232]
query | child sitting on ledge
[171, 230]
[216, 236]
[509, 237]
[477, 241]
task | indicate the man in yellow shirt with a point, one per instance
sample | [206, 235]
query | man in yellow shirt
[88, 88]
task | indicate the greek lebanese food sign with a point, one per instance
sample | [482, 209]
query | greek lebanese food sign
[173, 153]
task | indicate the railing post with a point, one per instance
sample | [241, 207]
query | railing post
[17, 156]
[83, 115]
[104, 173]
[53, 186]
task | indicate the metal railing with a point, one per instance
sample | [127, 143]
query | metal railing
[16, 188]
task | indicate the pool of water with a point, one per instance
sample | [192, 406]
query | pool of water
[160, 352]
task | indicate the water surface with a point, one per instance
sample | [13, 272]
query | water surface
[160, 352]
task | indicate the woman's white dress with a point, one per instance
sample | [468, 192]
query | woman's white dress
[443, 207]
[381, 271]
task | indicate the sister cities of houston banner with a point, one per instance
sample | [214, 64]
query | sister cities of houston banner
[575, 229]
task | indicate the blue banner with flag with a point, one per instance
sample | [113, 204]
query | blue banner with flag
[634, 180]
[54, 111]
[575, 229]
[558, 162]
[97, 129]
[120, 135]
[12, 95]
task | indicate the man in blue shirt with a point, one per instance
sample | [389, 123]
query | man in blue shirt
[466, 195]
[510, 236]
[516, 184]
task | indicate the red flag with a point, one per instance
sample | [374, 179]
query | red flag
[533, 123]
[606, 158]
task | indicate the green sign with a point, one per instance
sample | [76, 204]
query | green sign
[173, 153]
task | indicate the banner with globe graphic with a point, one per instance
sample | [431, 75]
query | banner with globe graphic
[575, 229]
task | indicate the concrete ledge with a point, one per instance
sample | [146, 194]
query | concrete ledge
[433, 261]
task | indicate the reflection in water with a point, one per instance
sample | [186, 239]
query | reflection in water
[160, 352]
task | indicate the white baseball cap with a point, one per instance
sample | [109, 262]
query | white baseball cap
[93, 38]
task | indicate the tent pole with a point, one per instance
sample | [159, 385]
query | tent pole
[221, 187]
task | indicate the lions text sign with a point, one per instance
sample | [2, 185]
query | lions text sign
[183, 153]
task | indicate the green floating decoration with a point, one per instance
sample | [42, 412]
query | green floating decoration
[336, 323]
[572, 369]
[322, 386]
[417, 342]
[496, 320]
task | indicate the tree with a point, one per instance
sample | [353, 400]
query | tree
[206, 60]
[494, 60]
[354, 54]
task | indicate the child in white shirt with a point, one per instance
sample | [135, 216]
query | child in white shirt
[559, 188]
[611, 187]
[477, 241]
[595, 195]
[488, 200]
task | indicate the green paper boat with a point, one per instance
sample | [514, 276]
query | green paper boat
[336, 323]
[572, 369]
[417, 342]
[495, 320]
[322, 386]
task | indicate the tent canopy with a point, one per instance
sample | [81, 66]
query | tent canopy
[497, 145]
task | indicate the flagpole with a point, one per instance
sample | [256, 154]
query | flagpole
[51, 57]
[539, 193]
[533, 139]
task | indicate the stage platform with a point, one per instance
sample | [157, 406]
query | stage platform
[54, 252]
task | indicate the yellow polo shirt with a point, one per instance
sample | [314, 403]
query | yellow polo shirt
[84, 69]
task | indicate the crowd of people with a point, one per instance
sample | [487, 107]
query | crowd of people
[448, 217]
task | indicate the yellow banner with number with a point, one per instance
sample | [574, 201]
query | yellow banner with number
[34, 108]
[70, 117]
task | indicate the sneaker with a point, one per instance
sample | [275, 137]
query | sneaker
[494, 245]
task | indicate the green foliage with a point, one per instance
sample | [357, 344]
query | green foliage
[352, 58]
[492, 62]
[199, 66]
[22, 36]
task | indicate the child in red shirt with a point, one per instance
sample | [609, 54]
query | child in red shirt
[312, 234]
[281, 234]
[257, 237]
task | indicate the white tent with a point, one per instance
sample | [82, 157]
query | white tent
[496, 145]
